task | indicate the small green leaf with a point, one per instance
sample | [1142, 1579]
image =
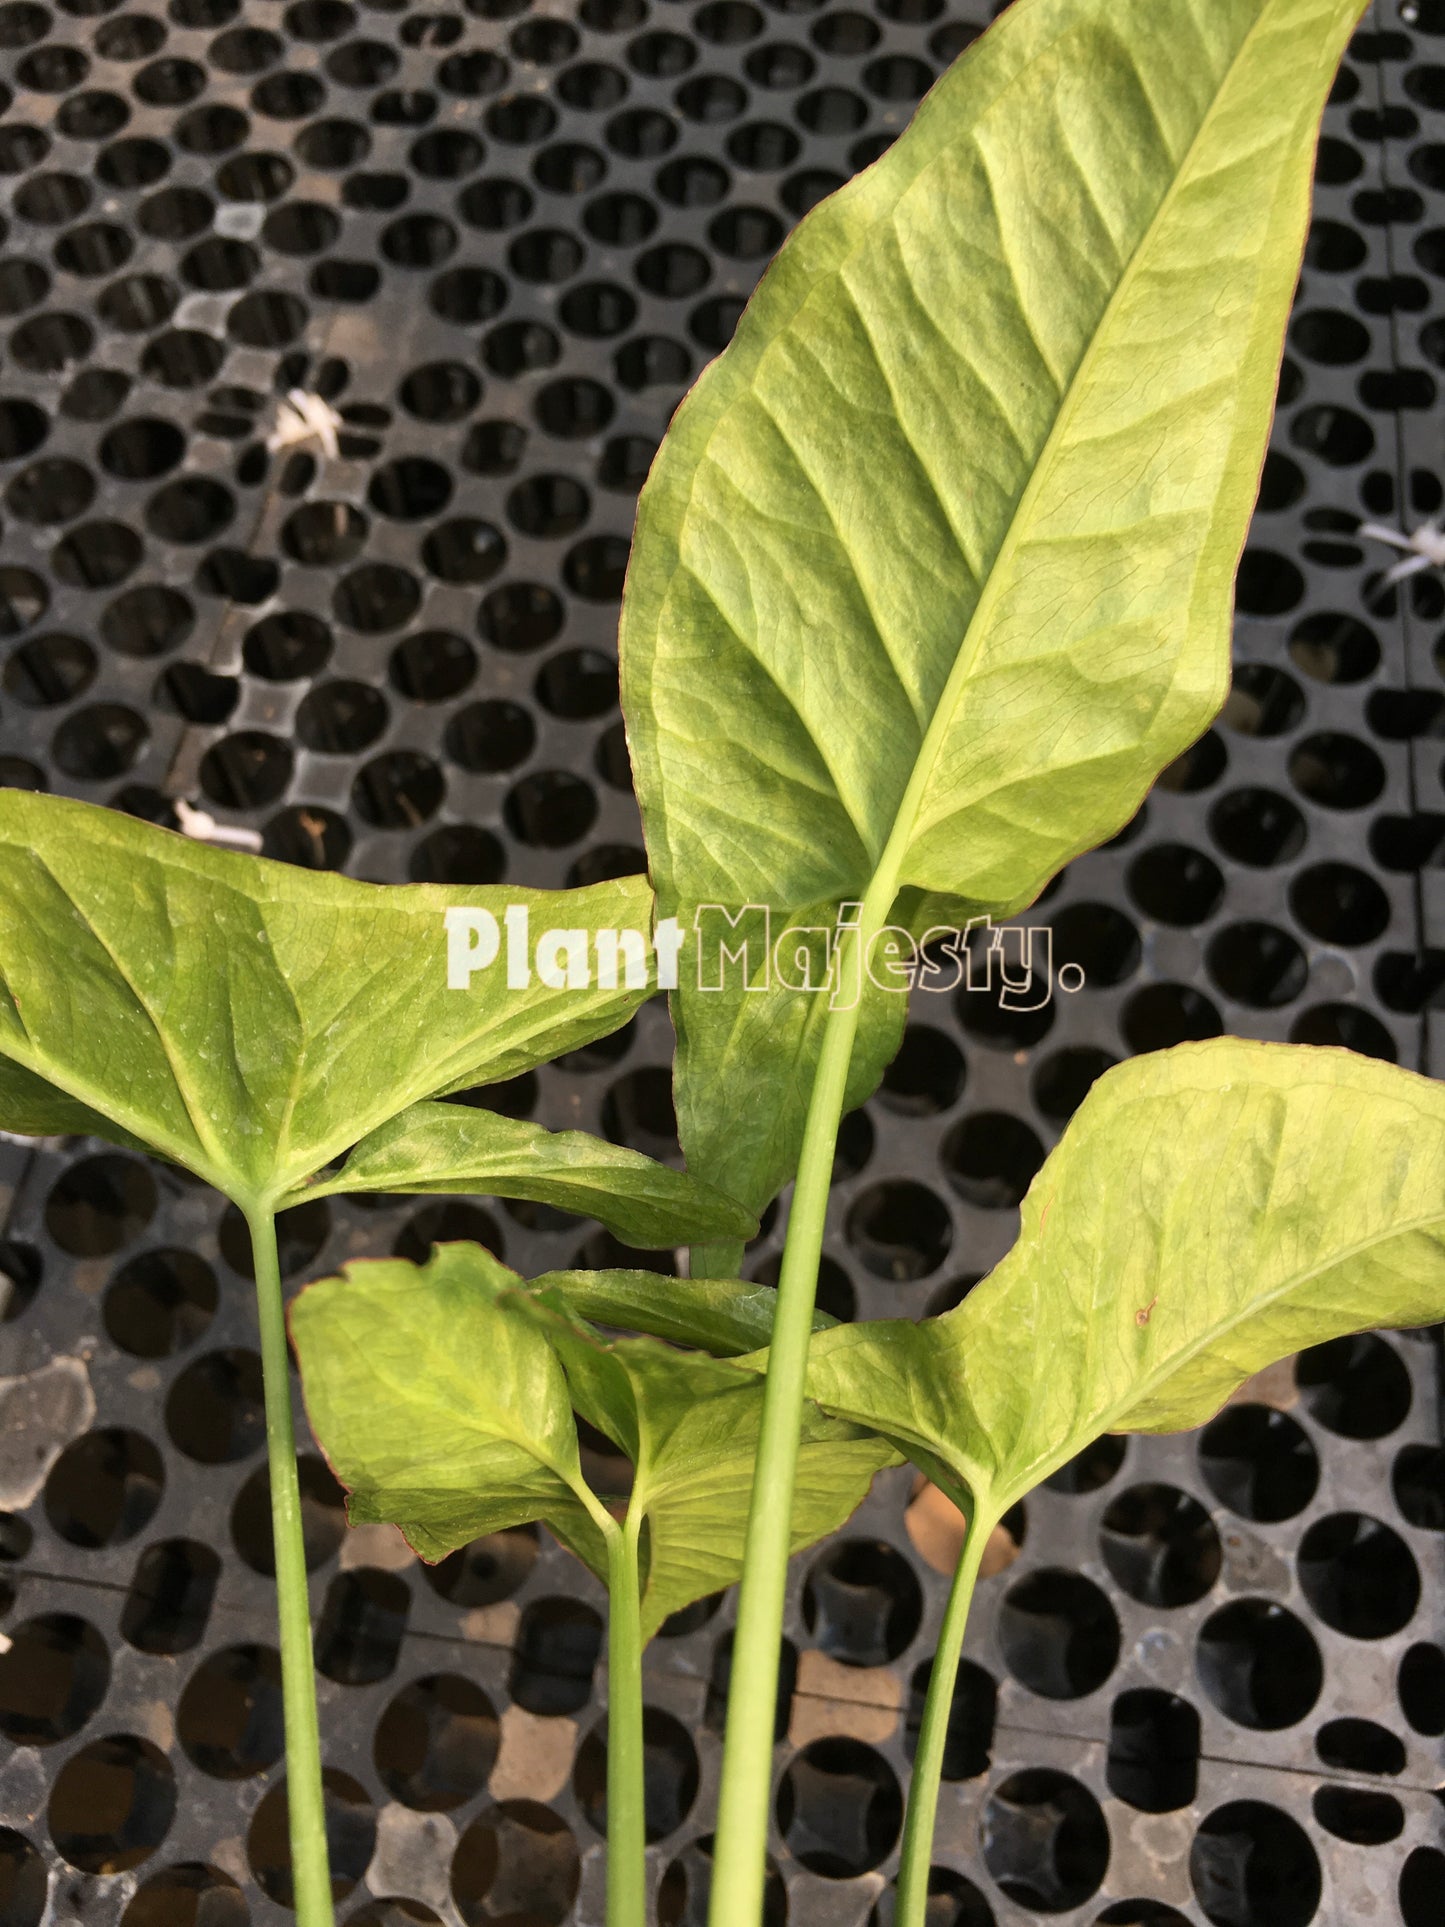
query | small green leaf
[689, 1424]
[439, 1407]
[933, 572]
[453, 1147]
[723, 1316]
[247, 1019]
[442, 1396]
[1209, 1210]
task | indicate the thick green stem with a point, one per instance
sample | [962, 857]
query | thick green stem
[309, 1869]
[626, 1780]
[740, 1849]
[911, 1906]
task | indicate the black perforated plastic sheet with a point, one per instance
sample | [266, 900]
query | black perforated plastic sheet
[485, 251]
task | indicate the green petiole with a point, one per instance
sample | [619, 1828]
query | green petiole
[747, 1774]
[911, 1906]
[310, 1870]
[626, 1812]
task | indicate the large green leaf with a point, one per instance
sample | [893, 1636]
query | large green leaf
[438, 1406]
[1208, 1210]
[248, 1019]
[689, 1424]
[453, 1147]
[933, 572]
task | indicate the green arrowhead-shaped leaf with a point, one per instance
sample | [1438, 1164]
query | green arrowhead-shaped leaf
[439, 1407]
[1209, 1210]
[247, 1019]
[723, 1316]
[442, 1396]
[689, 1424]
[453, 1147]
[933, 572]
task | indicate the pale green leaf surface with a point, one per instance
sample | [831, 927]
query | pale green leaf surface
[933, 572]
[442, 1396]
[743, 1072]
[440, 1408]
[248, 1019]
[724, 1316]
[1209, 1210]
[449, 1148]
[689, 1424]
[32, 1108]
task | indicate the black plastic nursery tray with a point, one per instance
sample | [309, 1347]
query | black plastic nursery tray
[499, 242]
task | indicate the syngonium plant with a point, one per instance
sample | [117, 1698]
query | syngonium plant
[1209, 1210]
[933, 575]
[931, 578]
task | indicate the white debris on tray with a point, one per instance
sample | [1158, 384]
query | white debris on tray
[304, 417]
[204, 828]
[1425, 548]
